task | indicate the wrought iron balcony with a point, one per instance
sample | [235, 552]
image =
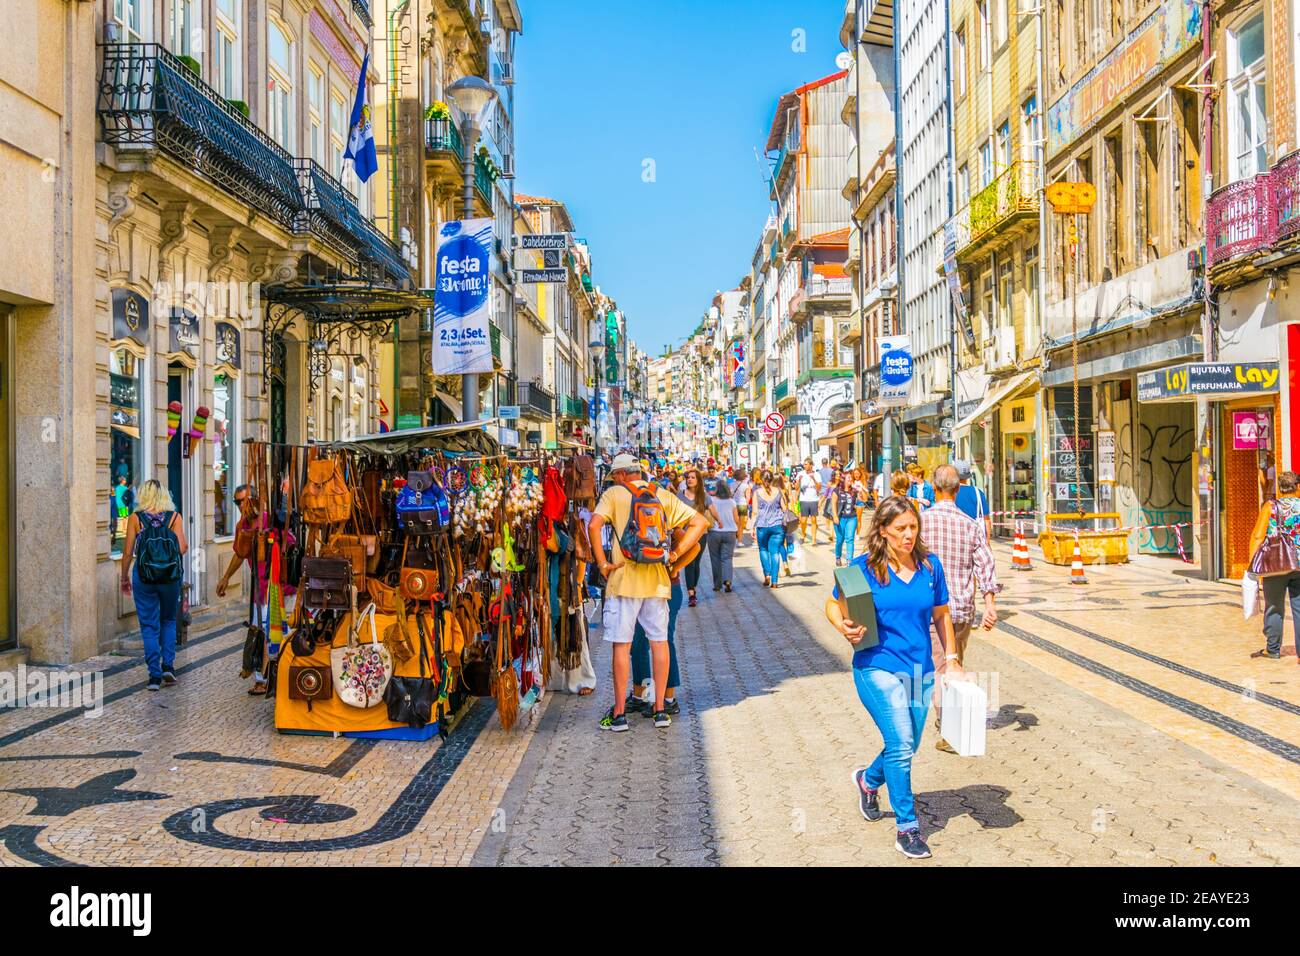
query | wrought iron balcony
[534, 397]
[1286, 196]
[362, 7]
[148, 99]
[483, 182]
[442, 136]
[330, 212]
[1239, 220]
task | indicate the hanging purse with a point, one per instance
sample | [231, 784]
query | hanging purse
[328, 584]
[422, 507]
[325, 497]
[419, 582]
[1276, 554]
[397, 636]
[255, 637]
[361, 672]
[411, 699]
[384, 595]
[348, 548]
[505, 685]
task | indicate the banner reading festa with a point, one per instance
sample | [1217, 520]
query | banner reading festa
[462, 294]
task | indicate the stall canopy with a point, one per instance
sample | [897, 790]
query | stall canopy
[831, 437]
[461, 437]
[1007, 388]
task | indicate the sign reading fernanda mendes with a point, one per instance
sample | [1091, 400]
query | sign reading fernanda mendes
[462, 298]
[895, 369]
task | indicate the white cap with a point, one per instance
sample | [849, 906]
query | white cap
[625, 463]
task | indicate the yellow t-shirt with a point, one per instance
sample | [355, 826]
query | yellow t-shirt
[638, 580]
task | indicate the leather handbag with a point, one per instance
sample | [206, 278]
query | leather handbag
[325, 498]
[418, 581]
[254, 658]
[411, 699]
[1276, 554]
[397, 636]
[309, 682]
[385, 596]
[328, 584]
[349, 548]
[505, 683]
[361, 672]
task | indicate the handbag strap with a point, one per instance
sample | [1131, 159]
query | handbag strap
[419, 627]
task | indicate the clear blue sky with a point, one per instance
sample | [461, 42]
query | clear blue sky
[691, 84]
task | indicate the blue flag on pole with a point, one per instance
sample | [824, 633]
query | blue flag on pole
[361, 138]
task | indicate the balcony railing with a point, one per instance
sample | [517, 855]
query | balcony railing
[330, 212]
[148, 99]
[1286, 195]
[362, 7]
[1012, 192]
[829, 287]
[442, 136]
[483, 182]
[532, 396]
[1238, 219]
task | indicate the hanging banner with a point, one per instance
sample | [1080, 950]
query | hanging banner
[953, 277]
[895, 370]
[738, 370]
[462, 298]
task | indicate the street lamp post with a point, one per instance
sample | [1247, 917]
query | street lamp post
[473, 95]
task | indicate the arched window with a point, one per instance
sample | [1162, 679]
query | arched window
[279, 86]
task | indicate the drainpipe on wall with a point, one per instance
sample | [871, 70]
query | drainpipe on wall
[1040, 267]
[952, 175]
[899, 270]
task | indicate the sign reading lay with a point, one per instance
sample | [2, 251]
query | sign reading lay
[1208, 380]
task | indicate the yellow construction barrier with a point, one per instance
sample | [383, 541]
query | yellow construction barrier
[1096, 545]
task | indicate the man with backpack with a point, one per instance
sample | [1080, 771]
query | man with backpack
[637, 589]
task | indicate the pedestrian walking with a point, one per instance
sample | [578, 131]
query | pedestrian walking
[922, 492]
[637, 579]
[972, 502]
[810, 489]
[151, 575]
[769, 526]
[845, 507]
[793, 519]
[722, 537]
[742, 493]
[962, 545]
[694, 495]
[863, 490]
[894, 678]
[900, 483]
[1279, 516]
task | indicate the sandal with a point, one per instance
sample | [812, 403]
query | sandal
[585, 691]
[258, 689]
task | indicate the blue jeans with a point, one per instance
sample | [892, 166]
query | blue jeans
[771, 550]
[641, 671]
[899, 714]
[1278, 591]
[156, 607]
[846, 533]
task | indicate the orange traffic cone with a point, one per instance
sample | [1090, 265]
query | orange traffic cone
[1020, 551]
[1076, 566]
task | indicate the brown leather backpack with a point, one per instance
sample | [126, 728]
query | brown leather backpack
[325, 498]
[580, 478]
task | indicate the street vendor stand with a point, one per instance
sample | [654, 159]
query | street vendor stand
[424, 563]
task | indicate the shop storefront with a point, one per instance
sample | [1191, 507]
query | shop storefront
[996, 433]
[1236, 450]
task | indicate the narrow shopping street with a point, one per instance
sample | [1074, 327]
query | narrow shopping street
[1131, 727]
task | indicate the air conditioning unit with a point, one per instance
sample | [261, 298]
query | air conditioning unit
[508, 167]
[507, 74]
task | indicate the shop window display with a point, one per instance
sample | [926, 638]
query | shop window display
[224, 406]
[126, 461]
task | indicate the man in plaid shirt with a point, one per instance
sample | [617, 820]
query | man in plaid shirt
[962, 545]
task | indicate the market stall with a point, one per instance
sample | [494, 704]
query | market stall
[409, 572]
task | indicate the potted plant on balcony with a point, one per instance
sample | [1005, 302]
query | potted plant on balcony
[240, 106]
[191, 64]
[438, 110]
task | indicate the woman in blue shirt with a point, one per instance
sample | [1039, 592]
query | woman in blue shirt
[895, 677]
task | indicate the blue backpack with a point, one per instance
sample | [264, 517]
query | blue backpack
[157, 550]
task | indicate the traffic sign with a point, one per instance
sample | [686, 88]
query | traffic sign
[799, 420]
[743, 451]
[729, 430]
[508, 412]
[774, 422]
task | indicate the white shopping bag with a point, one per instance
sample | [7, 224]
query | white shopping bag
[1249, 596]
[962, 720]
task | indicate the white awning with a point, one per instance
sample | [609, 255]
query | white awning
[1000, 392]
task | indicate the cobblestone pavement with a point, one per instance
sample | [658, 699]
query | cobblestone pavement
[1132, 726]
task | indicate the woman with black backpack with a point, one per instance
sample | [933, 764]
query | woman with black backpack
[152, 573]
